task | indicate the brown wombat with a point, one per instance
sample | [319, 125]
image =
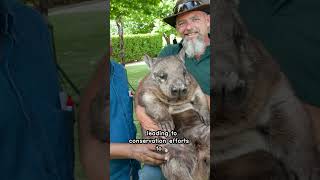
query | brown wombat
[174, 100]
[258, 123]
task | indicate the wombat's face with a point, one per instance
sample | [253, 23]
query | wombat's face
[231, 65]
[170, 75]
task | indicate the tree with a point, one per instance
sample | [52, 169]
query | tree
[141, 16]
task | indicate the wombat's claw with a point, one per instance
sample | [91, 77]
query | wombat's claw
[206, 120]
[167, 126]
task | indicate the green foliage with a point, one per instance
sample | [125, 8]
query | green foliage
[162, 27]
[136, 46]
[142, 16]
[127, 8]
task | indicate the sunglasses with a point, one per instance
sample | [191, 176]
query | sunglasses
[186, 6]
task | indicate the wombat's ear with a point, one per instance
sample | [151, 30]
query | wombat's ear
[148, 60]
[182, 55]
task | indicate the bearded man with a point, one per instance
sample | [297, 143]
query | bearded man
[191, 19]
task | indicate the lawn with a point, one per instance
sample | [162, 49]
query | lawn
[135, 74]
[80, 40]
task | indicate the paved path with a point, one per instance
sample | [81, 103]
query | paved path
[136, 63]
[94, 5]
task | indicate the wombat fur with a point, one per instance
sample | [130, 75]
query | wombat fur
[260, 129]
[174, 100]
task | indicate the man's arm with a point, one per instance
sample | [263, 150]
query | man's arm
[92, 115]
[142, 152]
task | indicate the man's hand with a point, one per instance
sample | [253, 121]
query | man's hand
[146, 153]
[145, 121]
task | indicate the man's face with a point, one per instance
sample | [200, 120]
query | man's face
[194, 27]
[193, 24]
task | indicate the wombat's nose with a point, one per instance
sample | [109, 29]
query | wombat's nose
[183, 91]
[178, 91]
[174, 91]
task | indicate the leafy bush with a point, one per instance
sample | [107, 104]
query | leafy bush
[137, 45]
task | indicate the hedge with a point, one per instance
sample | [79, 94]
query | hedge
[137, 45]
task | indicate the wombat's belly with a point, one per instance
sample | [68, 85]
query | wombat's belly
[189, 161]
[177, 109]
[258, 165]
[245, 156]
[188, 124]
[233, 146]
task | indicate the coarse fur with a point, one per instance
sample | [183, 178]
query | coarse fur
[261, 130]
[174, 100]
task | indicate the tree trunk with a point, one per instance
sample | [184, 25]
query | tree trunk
[121, 41]
[167, 38]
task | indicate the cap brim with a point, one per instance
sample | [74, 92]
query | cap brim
[171, 20]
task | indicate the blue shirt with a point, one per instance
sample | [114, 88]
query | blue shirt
[35, 134]
[121, 122]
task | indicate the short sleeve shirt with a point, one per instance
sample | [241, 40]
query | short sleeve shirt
[122, 128]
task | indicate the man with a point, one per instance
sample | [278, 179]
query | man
[36, 135]
[192, 21]
[290, 30]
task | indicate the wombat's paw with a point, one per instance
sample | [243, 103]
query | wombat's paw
[206, 120]
[232, 81]
[182, 162]
[166, 125]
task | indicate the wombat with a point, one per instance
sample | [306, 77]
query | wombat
[174, 100]
[258, 123]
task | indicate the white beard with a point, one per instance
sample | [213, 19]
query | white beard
[194, 46]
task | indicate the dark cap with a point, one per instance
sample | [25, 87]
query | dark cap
[183, 6]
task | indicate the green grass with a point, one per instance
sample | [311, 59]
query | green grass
[135, 74]
[80, 40]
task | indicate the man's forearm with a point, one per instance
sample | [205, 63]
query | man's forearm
[120, 151]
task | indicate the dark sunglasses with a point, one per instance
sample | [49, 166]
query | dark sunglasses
[186, 6]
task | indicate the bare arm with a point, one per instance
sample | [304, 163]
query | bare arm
[94, 152]
[141, 152]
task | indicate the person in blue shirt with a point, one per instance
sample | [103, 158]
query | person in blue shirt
[36, 134]
[124, 156]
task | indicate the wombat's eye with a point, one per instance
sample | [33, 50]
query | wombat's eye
[163, 76]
